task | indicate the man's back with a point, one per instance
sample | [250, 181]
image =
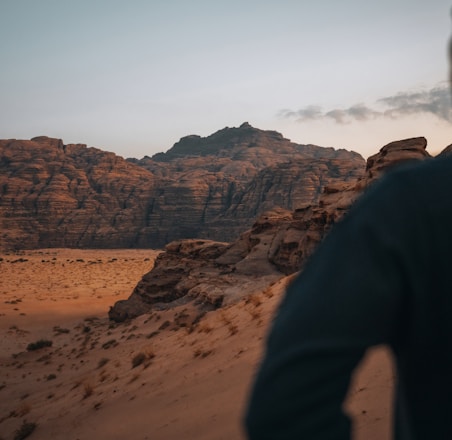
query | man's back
[383, 275]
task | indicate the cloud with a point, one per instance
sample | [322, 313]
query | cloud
[308, 113]
[359, 112]
[436, 101]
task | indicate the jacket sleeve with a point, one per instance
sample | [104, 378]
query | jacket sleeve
[345, 300]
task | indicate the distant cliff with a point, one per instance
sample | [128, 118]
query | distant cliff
[57, 195]
[215, 187]
[211, 274]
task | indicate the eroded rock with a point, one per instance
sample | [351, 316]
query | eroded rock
[279, 243]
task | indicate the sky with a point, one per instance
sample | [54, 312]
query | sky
[135, 76]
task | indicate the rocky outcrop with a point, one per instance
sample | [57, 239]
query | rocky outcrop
[297, 239]
[209, 273]
[57, 195]
[214, 187]
[279, 242]
[394, 153]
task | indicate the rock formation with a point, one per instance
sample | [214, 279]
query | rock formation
[214, 187]
[56, 195]
[279, 242]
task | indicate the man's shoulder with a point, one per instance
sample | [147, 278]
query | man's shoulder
[421, 179]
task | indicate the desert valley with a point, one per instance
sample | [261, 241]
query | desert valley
[136, 295]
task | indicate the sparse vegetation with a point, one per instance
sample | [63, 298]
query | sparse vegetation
[204, 327]
[142, 358]
[268, 292]
[109, 344]
[138, 359]
[25, 430]
[202, 353]
[255, 314]
[165, 325]
[88, 390]
[233, 329]
[41, 343]
[254, 299]
[58, 330]
[102, 362]
[152, 334]
[134, 377]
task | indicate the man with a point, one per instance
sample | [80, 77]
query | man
[382, 276]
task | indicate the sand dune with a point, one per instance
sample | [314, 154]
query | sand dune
[158, 377]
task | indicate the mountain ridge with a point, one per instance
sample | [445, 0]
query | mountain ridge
[69, 195]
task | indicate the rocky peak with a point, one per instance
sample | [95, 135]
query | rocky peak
[394, 153]
[225, 140]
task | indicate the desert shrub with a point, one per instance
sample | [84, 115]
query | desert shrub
[138, 359]
[88, 390]
[202, 353]
[165, 325]
[51, 377]
[102, 362]
[110, 343]
[58, 330]
[233, 329]
[41, 343]
[143, 358]
[204, 327]
[254, 299]
[25, 430]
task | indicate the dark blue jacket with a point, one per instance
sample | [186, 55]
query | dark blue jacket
[382, 276]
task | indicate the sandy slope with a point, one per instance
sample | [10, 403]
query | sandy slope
[192, 381]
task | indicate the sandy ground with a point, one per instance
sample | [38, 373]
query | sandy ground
[157, 377]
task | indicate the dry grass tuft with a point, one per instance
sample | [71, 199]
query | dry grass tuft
[201, 353]
[102, 362]
[41, 343]
[88, 390]
[142, 358]
[25, 430]
[204, 327]
[254, 299]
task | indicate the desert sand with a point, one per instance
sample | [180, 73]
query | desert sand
[157, 377]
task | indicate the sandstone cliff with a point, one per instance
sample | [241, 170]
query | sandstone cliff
[56, 195]
[215, 187]
[212, 274]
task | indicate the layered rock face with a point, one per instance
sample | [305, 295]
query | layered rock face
[214, 187]
[279, 242]
[56, 195]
